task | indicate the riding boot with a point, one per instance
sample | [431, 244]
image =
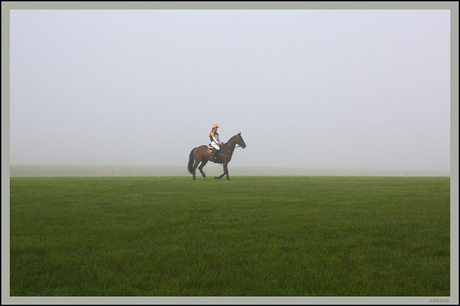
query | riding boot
[215, 154]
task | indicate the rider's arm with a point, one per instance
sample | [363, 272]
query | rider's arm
[216, 138]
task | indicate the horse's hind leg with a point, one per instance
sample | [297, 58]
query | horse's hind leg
[204, 161]
[194, 168]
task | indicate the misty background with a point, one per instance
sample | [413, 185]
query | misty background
[308, 89]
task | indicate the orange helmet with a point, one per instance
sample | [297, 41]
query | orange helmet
[215, 126]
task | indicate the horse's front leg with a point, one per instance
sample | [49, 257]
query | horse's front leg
[225, 172]
[204, 161]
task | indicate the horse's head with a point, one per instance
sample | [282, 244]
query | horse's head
[240, 141]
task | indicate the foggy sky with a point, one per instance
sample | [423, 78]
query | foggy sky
[362, 89]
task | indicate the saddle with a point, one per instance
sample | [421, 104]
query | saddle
[210, 149]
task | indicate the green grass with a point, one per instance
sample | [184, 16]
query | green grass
[250, 236]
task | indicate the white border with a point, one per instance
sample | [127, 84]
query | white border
[7, 6]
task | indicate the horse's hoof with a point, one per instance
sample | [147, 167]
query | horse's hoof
[215, 177]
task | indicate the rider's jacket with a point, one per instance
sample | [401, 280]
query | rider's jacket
[214, 136]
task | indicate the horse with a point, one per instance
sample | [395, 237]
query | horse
[201, 155]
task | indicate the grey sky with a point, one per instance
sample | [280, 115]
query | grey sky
[367, 89]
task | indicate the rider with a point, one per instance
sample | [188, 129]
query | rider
[215, 141]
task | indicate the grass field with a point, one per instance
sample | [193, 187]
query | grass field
[250, 236]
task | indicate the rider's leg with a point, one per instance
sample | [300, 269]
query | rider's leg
[216, 149]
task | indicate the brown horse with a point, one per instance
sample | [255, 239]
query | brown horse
[200, 154]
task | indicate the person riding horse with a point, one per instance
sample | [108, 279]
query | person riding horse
[215, 141]
[199, 156]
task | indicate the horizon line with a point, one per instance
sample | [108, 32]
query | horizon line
[30, 170]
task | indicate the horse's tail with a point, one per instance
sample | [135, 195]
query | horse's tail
[190, 161]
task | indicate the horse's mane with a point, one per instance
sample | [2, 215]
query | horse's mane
[225, 144]
[232, 137]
